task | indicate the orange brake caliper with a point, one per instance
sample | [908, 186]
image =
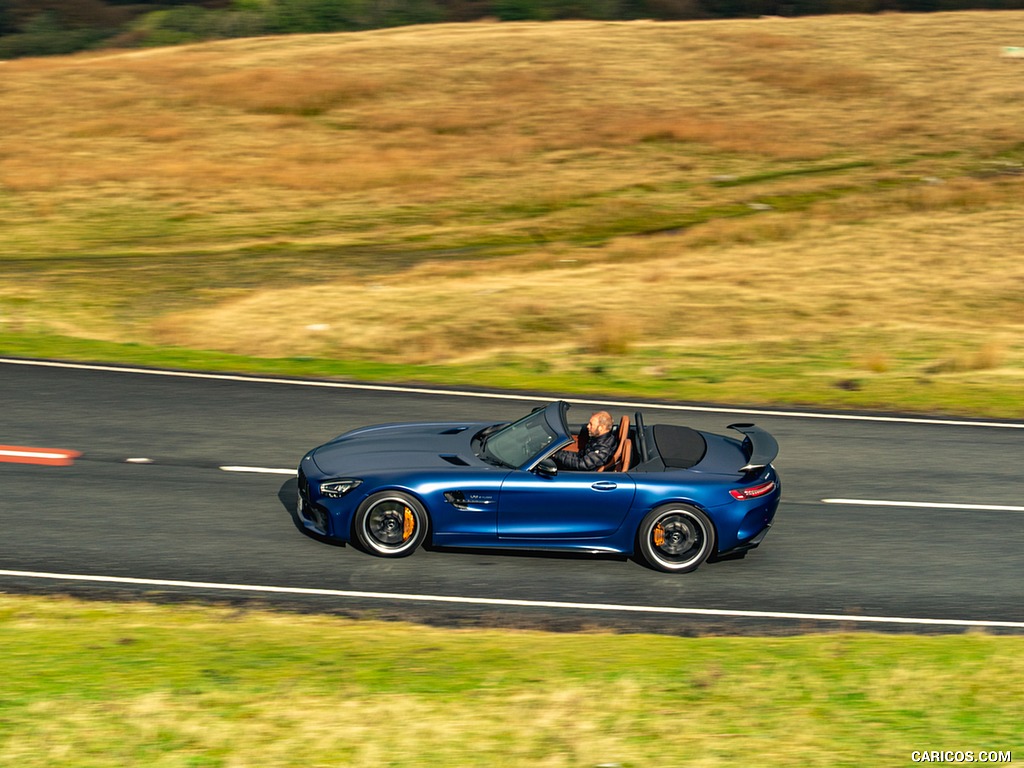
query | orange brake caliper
[659, 535]
[409, 524]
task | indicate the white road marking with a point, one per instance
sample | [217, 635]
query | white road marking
[923, 505]
[493, 601]
[262, 470]
[510, 396]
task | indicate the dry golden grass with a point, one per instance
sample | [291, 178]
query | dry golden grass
[484, 107]
[915, 272]
[879, 160]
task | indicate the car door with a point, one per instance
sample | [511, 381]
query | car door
[568, 505]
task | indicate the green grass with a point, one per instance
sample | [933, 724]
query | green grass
[96, 684]
[830, 375]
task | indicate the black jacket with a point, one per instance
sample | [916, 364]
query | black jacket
[596, 453]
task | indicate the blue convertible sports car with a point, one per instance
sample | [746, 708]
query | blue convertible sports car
[675, 496]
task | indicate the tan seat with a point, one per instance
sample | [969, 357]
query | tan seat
[619, 462]
[627, 456]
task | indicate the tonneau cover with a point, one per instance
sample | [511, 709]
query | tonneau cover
[679, 447]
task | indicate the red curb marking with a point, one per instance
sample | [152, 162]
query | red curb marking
[56, 457]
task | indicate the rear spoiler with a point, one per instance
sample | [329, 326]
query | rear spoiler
[759, 446]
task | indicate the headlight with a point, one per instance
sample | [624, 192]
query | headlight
[335, 489]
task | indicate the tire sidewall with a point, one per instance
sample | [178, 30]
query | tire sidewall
[655, 559]
[369, 544]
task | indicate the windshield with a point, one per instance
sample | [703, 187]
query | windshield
[521, 440]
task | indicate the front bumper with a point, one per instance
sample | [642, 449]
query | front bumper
[313, 516]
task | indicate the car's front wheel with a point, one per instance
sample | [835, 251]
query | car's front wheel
[390, 524]
[676, 538]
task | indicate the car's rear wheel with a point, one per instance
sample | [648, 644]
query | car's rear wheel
[676, 538]
[391, 524]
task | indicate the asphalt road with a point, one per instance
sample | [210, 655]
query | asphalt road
[953, 561]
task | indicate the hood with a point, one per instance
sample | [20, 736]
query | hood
[399, 446]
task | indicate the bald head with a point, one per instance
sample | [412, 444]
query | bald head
[600, 423]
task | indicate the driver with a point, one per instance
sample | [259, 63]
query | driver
[597, 449]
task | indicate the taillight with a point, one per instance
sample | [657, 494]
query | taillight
[754, 492]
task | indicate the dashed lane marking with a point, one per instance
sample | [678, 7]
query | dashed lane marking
[262, 470]
[924, 505]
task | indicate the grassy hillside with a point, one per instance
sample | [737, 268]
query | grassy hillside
[91, 684]
[817, 210]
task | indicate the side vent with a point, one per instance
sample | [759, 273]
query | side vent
[458, 461]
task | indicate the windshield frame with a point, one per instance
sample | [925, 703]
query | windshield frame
[548, 419]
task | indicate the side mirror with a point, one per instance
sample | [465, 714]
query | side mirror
[546, 468]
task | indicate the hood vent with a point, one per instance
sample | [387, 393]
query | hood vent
[458, 461]
[454, 430]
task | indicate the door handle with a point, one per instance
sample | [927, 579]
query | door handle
[604, 485]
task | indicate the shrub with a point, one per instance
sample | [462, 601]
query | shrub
[46, 35]
[309, 16]
[190, 23]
